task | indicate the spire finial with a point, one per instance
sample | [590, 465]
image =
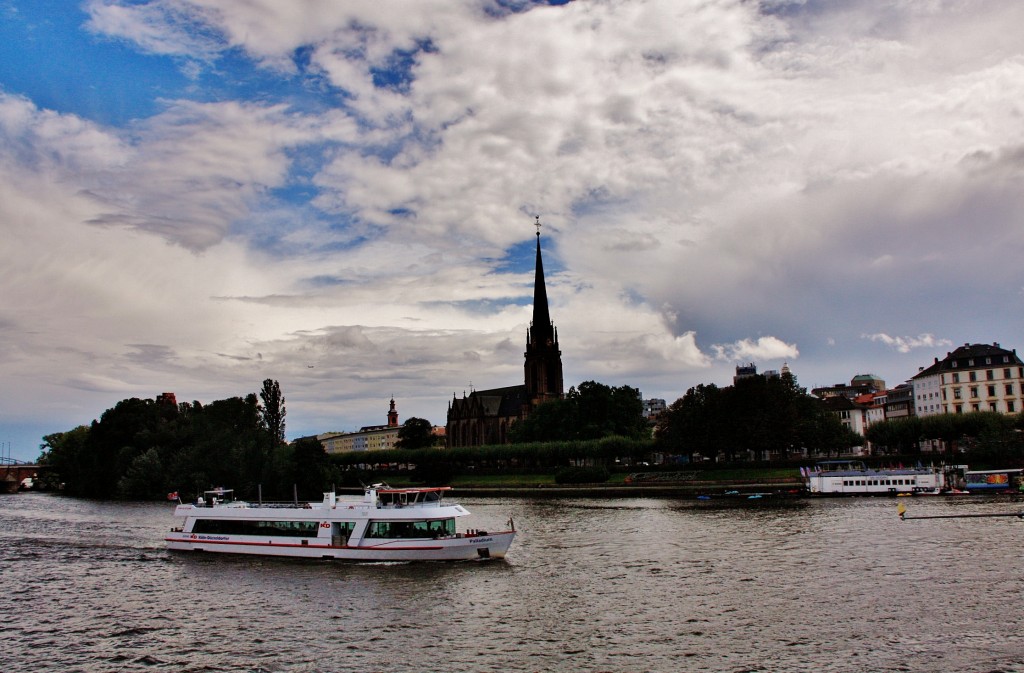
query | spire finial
[537, 224]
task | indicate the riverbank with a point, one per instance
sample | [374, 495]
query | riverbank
[637, 485]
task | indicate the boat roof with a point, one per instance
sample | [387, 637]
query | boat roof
[428, 489]
[1006, 471]
[871, 471]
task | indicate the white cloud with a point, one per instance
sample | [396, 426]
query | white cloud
[748, 350]
[904, 344]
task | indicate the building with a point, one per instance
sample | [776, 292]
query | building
[749, 371]
[859, 385]
[874, 403]
[899, 402]
[368, 438]
[653, 407]
[853, 415]
[486, 416]
[974, 377]
[167, 398]
[744, 372]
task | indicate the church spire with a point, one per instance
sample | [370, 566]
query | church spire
[541, 316]
[543, 363]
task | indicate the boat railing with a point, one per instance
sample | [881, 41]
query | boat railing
[411, 505]
[266, 504]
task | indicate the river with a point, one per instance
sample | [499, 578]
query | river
[589, 585]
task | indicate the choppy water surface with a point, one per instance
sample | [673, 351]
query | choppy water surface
[589, 585]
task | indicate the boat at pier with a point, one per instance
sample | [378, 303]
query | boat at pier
[384, 524]
[994, 481]
[853, 477]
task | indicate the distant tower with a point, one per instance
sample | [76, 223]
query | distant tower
[392, 415]
[543, 363]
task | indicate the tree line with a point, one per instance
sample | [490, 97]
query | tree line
[987, 437]
[756, 418]
[143, 448]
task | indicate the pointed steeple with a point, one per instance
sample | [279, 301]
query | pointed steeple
[541, 316]
[543, 358]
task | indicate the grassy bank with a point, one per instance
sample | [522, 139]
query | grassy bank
[697, 480]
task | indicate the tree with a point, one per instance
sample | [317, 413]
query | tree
[311, 467]
[141, 448]
[760, 415]
[415, 433]
[693, 424]
[592, 411]
[64, 452]
[273, 411]
[144, 478]
[604, 411]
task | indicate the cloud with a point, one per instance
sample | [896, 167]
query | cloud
[904, 344]
[765, 348]
[165, 27]
[352, 186]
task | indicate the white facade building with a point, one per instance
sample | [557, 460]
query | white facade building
[974, 377]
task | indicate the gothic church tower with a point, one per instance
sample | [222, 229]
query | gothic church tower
[543, 363]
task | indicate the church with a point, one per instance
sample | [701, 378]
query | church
[486, 416]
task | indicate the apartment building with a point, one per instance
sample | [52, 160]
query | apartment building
[974, 377]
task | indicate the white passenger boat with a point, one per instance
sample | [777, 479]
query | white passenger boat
[384, 524]
[852, 477]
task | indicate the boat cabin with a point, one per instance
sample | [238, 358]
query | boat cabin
[216, 496]
[405, 497]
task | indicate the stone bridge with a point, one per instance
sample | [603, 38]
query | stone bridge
[13, 474]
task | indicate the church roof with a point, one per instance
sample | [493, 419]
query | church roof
[507, 401]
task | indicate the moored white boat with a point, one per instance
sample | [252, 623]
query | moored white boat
[851, 477]
[384, 524]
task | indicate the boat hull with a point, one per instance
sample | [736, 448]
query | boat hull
[463, 548]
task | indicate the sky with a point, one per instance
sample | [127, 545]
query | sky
[197, 195]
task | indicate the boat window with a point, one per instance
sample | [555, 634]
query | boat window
[411, 529]
[236, 527]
